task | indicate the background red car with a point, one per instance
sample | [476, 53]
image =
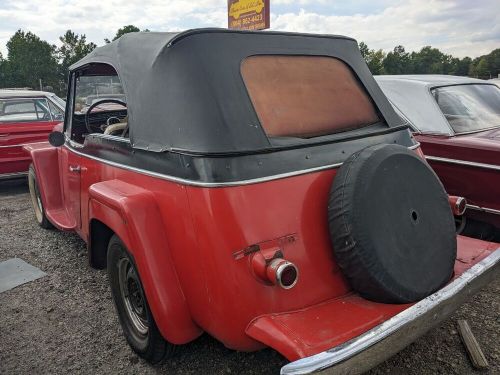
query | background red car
[25, 117]
[457, 122]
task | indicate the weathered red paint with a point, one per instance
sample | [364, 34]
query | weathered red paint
[304, 332]
[189, 245]
[480, 186]
[13, 136]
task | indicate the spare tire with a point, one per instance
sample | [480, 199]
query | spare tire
[391, 226]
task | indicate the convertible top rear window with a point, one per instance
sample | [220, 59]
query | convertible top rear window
[469, 108]
[306, 96]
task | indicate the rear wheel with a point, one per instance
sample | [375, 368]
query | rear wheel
[136, 319]
[36, 200]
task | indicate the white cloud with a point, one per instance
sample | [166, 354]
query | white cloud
[459, 27]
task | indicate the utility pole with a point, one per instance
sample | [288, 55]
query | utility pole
[41, 87]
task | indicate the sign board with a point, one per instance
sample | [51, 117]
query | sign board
[248, 14]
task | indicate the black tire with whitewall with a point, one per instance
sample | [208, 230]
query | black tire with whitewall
[136, 319]
[36, 200]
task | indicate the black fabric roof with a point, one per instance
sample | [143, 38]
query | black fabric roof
[185, 91]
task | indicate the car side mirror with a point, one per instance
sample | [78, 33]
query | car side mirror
[56, 138]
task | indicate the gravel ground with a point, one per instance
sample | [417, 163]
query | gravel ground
[66, 323]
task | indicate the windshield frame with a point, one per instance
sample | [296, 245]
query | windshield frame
[454, 132]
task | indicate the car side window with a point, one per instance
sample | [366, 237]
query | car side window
[24, 110]
[98, 104]
[57, 114]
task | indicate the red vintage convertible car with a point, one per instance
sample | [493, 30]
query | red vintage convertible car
[25, 117]
[258, 187]
[457, 122]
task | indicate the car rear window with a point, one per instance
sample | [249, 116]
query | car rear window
[306, 96]
[469, 108]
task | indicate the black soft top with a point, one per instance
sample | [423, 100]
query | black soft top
[185, 91]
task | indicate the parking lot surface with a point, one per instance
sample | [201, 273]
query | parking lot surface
[65, 322]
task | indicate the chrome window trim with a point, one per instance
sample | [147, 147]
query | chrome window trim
[464, 162]
[204, 184]
[483, 209]
[478, 131]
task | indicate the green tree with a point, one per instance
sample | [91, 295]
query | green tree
[494, 62]
[124, 30]
[486, 66]
[482, 69]
[4, 77]
[374, 59]
[363, 48]
[74, 47]
[397, 62]
[431, 61]
[30, 60]
[460, 67]
[376, 62]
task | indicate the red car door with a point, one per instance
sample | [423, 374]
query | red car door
[70, 169]
[22, 120]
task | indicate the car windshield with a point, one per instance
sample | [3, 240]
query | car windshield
[469, 108]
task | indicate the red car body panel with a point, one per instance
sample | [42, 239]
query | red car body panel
[198, 291]
[480, 185]
[301, 333]
[13, 136]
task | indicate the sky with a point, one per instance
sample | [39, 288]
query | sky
[459, 27]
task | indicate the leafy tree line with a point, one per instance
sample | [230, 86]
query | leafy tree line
[30, 59]
[430, 61]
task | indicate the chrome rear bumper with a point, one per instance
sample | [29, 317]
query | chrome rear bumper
[383, 341]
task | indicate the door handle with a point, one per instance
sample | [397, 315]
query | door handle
[75, 168]
[4, 135]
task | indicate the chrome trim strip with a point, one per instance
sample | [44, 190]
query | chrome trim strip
[464, 162]
[478, 131]
[338, 354]
[23, 144]
[6, 176]
[483, 209]
[415, 146]
[210, 184]
[206, 184]
[110, 137]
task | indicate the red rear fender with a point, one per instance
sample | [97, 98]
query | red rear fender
[133, 214]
